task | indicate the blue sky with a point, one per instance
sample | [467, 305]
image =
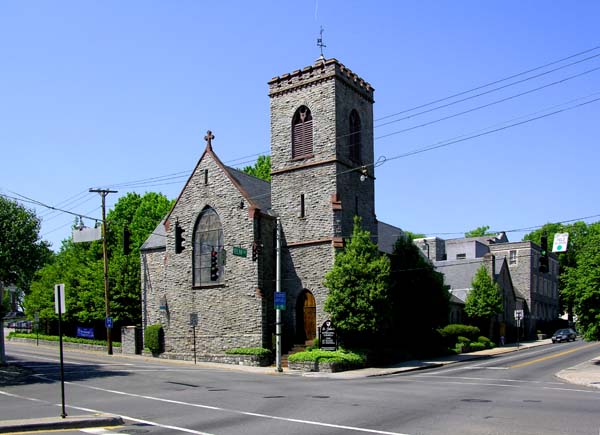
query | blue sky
[105, 93]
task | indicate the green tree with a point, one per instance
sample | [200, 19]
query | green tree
[582, 283]
[479, 232]
[413, 236]
[22, 252]
[420, 301]
[80, 267]
[484, 301]
[261, 169]
[578, 235]
[358, 283]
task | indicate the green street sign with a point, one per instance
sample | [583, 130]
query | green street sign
[240, 252]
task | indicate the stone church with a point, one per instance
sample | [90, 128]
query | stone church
[222, 276]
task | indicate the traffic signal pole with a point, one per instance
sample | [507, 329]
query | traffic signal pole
[278, 322]
[103, 193]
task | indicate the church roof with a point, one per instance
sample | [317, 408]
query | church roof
[258, 191]
[387, 235]
[157, 239]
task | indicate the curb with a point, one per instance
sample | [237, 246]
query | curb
[55, 423]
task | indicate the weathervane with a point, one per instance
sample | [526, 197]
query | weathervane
[320, 42]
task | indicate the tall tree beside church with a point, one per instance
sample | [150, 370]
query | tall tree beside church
[261, 169]
[22, 252]
[80, 267]
[484, 301]
[582, 284]
[419, 298]
[358, 283]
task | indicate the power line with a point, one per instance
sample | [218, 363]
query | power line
[488, 84]
[493, 103]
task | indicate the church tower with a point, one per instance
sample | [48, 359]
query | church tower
[322, 176]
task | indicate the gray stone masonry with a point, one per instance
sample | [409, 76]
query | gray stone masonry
[328, 179]
[231, 313]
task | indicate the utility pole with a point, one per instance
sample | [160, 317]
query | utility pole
[103, 193]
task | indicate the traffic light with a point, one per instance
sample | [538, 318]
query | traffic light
[178, 238]
[214, 265]
[544, 254]
[126, 241]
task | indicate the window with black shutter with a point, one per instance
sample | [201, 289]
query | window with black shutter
[354, 137]
[302, 133]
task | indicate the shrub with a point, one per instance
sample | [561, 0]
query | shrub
[475, 346]
[485, 341]
[153, 338]
[314, 346]
[258, 351]
[339, 356]
[455, 330]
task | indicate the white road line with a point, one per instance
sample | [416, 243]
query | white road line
[231, 411]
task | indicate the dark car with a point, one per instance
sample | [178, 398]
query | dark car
[566, 334]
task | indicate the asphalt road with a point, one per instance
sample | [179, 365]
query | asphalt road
[515, 393]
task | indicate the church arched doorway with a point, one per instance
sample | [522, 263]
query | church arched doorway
[306, 317]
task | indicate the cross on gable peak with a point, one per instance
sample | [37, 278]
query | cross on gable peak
[208, 138]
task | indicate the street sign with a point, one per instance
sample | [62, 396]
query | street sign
[561, 240]
[59, 299]
[108, 322]
[240, 252]
[280, 301]
[193, 319]
[518, 314]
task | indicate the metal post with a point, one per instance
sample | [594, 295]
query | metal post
[103, 193]
[278, 321]
[194, 329]
[62, 369]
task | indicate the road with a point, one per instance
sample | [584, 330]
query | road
[514, 393]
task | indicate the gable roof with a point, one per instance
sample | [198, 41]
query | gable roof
[157, 239]
[239, 181]
[257, 189]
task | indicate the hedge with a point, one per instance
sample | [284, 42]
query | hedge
[258, 351]
[338, 356]
[34, 336]
[153, 338]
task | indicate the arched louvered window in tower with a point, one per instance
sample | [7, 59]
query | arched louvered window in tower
[302, 133]
[354, 138]
[208, 249]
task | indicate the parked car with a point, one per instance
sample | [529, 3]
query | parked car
[565, 334]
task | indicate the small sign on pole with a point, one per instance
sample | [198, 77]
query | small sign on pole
[518, 315]
[561, 240]
[59, 299]
[280, 301]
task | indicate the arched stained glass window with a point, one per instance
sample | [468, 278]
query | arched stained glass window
[302, 133]
[354, 138]
[208, 249]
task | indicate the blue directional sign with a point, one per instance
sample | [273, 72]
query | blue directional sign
[279, 300]
[108, 322]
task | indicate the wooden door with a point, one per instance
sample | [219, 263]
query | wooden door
[310, 316]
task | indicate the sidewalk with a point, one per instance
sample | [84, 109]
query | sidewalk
[587, 374]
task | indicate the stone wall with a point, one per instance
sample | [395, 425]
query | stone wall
[230, 313]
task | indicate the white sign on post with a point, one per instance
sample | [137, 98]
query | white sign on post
[561, 240]
[59, 292]
[518, 315]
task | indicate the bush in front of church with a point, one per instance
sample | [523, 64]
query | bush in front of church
[154, 338]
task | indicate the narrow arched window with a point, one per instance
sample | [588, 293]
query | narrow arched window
[302, 133]
[209, 253]
[354, 137]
